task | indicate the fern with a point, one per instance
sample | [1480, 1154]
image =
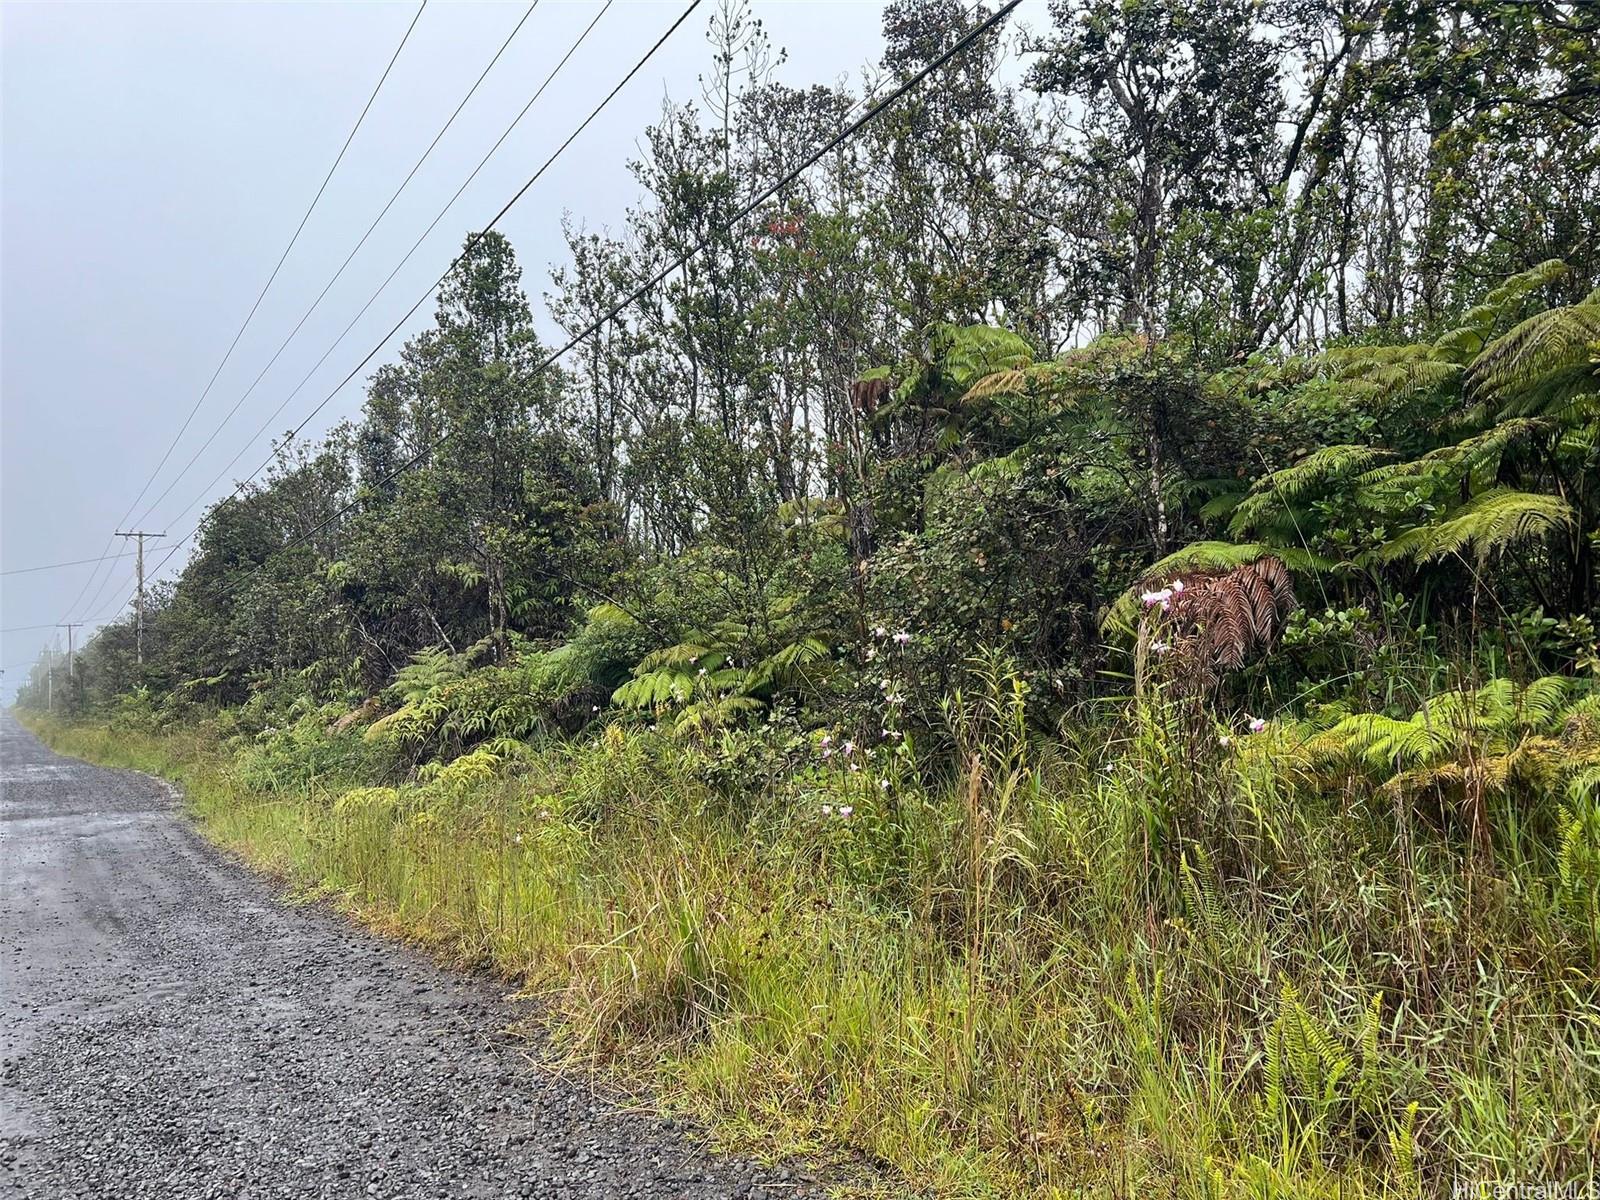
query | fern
[1368, 1089]
[1206, 906]
[1547, 341]
[1206, 556]
[428, 670]
[1275, 494]
[1467, 340]
[1489, 522]
[1403, 1149]
[1494, 737]
[1478, 458]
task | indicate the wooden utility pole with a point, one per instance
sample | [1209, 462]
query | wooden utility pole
[69, 626]
[138, 620]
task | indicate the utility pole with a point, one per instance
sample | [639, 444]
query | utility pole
[69, 626]
[138, 621]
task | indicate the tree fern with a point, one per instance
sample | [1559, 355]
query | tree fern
[428, 669]
[1273, 495]
[1477, 458]
[1548, 341]
[1206, 555]
[1381, 743]
[1489, 522]
[1468, 340]
[967, 353]
[1492, 738]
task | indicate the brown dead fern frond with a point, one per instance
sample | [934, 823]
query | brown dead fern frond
[867, 394]
[1218, 621]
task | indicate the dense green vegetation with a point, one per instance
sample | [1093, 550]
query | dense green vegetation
[1061, 656]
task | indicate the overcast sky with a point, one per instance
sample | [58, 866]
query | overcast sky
[156, 159]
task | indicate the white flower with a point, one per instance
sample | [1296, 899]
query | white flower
[700, 672]
[883, 785]
[1175, 586]
[594, 708]
[1257, 724]
[855, 766]
[1224, 741]
[827, 810]
[1160, 647]
[902, 637]
[517, 839]
[827, 752]
[1161, 597]
[849, 748]
[879, 631]
[826, 738]
[846, 810]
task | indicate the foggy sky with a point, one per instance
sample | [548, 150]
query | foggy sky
[155, 161]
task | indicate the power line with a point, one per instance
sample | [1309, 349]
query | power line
[845, 133]
[471, 243]
[326, 354]
[282, 258]
[76, 562]
[337, 275]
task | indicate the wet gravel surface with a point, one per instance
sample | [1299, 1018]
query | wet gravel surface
[169, 1028]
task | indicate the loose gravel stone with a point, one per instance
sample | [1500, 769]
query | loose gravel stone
[170, 1028]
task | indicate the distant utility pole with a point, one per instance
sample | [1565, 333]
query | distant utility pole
[69, 626]
[138, 636]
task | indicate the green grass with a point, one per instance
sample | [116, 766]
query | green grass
[1116, 964]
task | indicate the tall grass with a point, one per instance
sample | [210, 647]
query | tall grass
[1110, 963]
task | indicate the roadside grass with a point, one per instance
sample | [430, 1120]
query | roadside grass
[1120, 963]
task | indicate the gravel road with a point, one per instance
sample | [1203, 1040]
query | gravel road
[169, 1028]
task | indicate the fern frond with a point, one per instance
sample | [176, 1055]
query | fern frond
[1211, 556]
[652, 689]
[1272, 494]
[1489, 522]
[1585, 784]
[1544, 703]
[1403, 1148]
[692, 652]
[1380, 742]
[968, 353]
[1477, 457]
[612, 616]
[1547, 341]
[1008, 382]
